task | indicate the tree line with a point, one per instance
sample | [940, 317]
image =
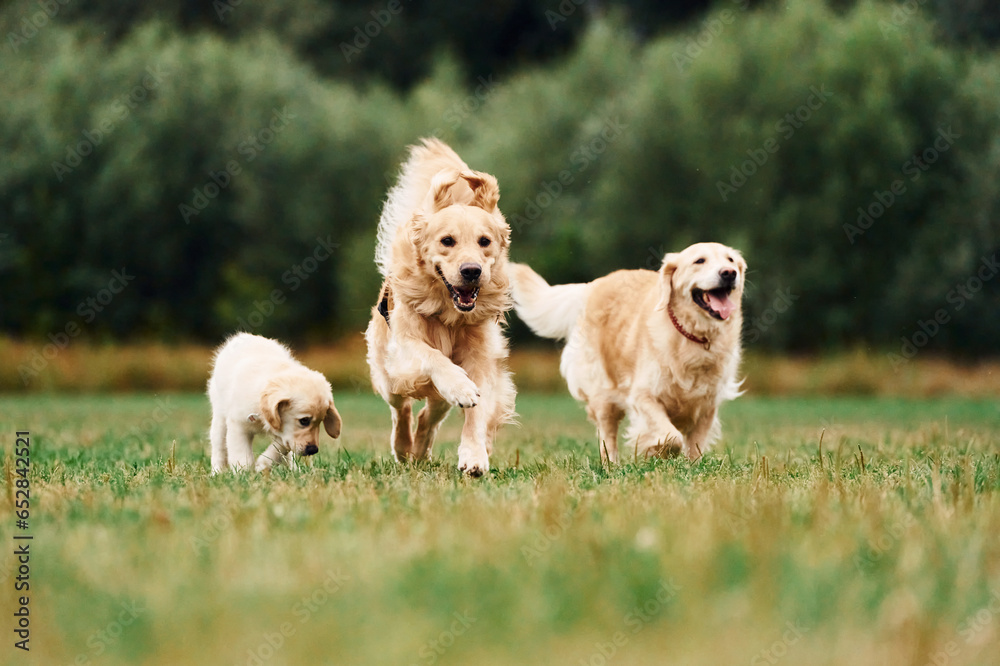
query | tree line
[236, 168]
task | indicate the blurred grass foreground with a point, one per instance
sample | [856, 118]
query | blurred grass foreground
[874, 546]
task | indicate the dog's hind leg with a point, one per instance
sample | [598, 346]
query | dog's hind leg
[218, 437]
[607, 416]
[402, 427]
[428, 421]
[503, 407]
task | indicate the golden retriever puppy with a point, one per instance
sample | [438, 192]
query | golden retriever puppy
[258, 387]
[435, 331]
[661, 347]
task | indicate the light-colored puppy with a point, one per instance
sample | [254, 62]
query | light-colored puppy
[661, 347]
[436, 329]
[258, 387]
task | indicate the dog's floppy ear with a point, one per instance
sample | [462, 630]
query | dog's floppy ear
[417, 228]
[504, 236]
[443, 192]
[482, 192]
[485, 190]
[501, 230]
[332, 422]
[272, 401]
[670, 264]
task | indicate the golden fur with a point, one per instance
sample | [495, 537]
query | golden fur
[442, 249]
[625, 357]
[258, 387]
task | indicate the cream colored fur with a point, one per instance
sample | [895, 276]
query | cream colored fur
[258, 387]
[624, 356]
[444, 341]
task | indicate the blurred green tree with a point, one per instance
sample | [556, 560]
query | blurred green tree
[236, 165]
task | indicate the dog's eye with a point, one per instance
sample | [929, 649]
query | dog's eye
[304, 422]
[484, 242]
[448, 241]
[700, 261]
[730, 259]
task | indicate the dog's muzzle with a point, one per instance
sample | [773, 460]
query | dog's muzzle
[464, 296]
[716, 301]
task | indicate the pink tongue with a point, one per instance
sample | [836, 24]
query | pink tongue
[723, 305]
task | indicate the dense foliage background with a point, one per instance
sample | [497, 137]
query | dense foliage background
[232, 157]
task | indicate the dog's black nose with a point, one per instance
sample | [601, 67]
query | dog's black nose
[311, 449]
[728, 274]
[470, 272]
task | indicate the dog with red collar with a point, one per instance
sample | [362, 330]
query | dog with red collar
[660, 347]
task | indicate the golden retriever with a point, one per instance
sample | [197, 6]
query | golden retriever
[661, 347]
[435, 331]
[258, 387]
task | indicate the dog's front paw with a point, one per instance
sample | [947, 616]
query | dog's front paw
[459, 391]
[473, 461]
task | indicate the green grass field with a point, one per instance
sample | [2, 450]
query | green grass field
[882, 549]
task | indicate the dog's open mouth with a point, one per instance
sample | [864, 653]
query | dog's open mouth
[463, 297]
[715, 302]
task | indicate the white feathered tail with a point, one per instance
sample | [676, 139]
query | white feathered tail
[549, 310]
[425, 160]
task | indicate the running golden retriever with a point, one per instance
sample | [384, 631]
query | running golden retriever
[436, 332]
[661, 347]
